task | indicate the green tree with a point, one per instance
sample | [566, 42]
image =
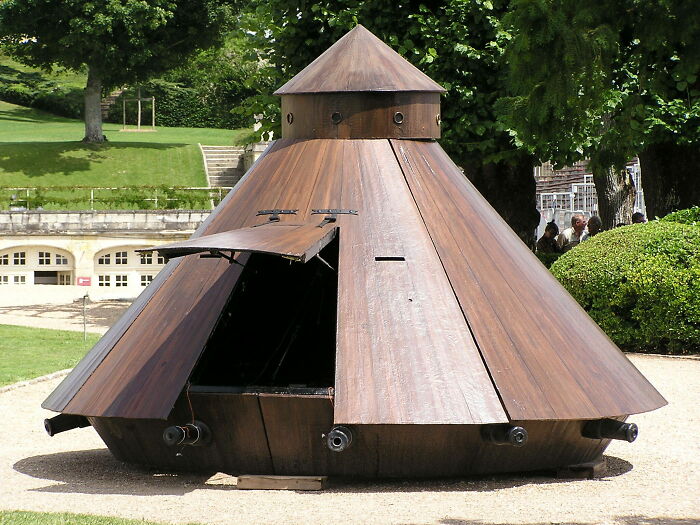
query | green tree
[607, 80]
[458, 43]
[117, 42]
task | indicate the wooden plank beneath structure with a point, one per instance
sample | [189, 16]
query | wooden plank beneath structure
[250, 482]
[404, 351]
[547, 358]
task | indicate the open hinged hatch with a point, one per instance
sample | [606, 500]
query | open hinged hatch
[277, 330]
[299, 242]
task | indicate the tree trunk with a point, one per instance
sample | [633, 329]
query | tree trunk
[616, 192]
[510, 189]
[670, 177]
[93, 110]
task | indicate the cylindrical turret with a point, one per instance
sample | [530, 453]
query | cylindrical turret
[340, 97]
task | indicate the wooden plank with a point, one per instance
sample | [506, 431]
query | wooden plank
[238, 441]
[294, 425]
[547, 357]
[364, 115]
[251, 482]
[404, 350]
[296, 241]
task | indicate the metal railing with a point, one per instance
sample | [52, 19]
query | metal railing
[21, 198]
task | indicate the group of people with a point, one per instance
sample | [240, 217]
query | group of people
[581, 229]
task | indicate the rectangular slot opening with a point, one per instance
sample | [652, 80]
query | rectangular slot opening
[390, 258]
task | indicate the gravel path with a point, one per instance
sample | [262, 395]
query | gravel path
[99, 316]
[655, 480]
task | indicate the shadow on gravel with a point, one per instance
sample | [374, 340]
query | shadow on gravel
[97, 472]
[615, 467]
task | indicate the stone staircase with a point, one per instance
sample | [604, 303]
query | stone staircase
[223, 165]
[109, 101]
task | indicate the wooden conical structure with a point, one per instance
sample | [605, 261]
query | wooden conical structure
[354, 277]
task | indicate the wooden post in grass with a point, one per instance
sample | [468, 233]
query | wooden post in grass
[138, 99]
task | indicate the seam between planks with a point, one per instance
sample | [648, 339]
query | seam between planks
[466, 320]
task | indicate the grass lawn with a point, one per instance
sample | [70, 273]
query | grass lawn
[40, 149]
[12, 71]
[17, 517]
[26, 353]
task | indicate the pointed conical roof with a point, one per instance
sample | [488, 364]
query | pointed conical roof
[359, 61]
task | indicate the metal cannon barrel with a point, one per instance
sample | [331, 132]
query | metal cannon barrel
[610, 429]
[504, 435]
[63, 422]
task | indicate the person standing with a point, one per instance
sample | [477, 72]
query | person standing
[638, 218]
[574, 235]
[595, 226]
[548, 242]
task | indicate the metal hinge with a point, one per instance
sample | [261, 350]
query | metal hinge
[331, 214]
[274, 215]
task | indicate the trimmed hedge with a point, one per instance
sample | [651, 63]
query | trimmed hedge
[641, 284]
[63, 101]
[689, 216]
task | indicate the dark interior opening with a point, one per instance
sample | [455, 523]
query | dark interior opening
[278, 328]
[45, 277]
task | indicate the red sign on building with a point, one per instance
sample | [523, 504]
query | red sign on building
[83, 281]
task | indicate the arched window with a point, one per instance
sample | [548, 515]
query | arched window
[36, 265]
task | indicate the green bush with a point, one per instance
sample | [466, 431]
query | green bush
[641, 284]
[689, 216]
[547, 258]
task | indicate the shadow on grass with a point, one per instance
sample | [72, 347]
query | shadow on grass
[36, 159]
[31, 115]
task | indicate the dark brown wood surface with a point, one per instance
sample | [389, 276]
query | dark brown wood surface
[361, 115]
[548, 359]
[239, 442]
[404, 350]
[295, 241]
[281, 435]
[359, 61]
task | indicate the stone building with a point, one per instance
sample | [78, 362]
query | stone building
[87, 251]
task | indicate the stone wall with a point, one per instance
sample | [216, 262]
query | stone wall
[99, 222]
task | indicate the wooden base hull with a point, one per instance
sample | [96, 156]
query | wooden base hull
[281, 435]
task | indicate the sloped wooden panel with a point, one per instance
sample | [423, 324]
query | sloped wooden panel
[67, 389]
[405, 353]
[345, 67]
[548, 359]
[171, 327]
[295, 241]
